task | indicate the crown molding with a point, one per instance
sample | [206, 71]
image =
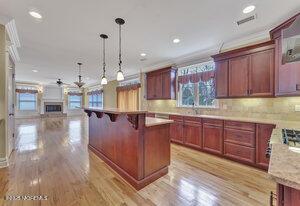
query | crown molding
[205, 55]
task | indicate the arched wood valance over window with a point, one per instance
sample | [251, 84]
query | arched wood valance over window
[196, 77]
[95, 92]
[30, 91]
[128, 87]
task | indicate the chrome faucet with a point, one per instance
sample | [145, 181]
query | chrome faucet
[195, 109]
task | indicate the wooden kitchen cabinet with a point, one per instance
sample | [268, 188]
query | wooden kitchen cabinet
[176, 129]
[250, 71]
[161, 84]
[222, 79]
[192, 132]
[261, 73]
[287, 76]
[263, 134]
[238, 76]
[286, 196]
[212, 135]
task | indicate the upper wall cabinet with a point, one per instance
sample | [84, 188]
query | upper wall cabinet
[246, 72]
[161, 84]
[287, 75]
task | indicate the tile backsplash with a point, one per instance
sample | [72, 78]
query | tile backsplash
[281, 108]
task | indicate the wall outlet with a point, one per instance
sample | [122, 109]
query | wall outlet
[297, 108]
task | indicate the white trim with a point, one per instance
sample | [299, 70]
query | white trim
[3, 162]
[12, 33]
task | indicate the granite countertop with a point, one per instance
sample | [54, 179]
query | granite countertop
[151, 121]
[284, 165]
[115, 110]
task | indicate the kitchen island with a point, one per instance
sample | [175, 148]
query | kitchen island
[135, 146]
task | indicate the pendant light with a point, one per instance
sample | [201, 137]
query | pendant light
[120, 75]
[80, 83]
[103, 80]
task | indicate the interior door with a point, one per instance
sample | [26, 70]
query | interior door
[10, 105]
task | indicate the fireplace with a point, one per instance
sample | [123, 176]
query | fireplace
[53, 107]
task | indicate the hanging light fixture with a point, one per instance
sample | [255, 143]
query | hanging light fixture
[80, 83]
[103, 80]
[120, 75]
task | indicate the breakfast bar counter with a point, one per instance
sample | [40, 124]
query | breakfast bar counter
[135, 146]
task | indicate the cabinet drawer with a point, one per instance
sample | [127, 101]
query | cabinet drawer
[240, 125]
[240, 137]
[239, 152]
[176, 117]
[216, 122]
[192, 119]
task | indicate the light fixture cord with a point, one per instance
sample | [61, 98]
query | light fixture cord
[120, 57]
[104, 57]
[79, 73]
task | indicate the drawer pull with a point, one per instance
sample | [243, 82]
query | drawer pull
[298, 87]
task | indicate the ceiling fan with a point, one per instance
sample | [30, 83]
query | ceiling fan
[60, 83]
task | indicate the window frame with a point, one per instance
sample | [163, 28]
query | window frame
[196, 92]
[96, 102]
[27, 110]
[69, 107]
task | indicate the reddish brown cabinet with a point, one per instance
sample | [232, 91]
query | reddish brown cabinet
[261, 73]
[176, 129]
[161, 84]
[192, 132]
[263, 134]
[286, 196]
[212, 135]
[250, 71]
[238, 76]
[222, 79]
[287, 76]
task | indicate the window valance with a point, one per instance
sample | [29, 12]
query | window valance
[95, 92]
[196, 77]
[74, 94]
[129, 87]
[30, 91]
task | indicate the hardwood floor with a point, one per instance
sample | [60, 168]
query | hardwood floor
[52, 159]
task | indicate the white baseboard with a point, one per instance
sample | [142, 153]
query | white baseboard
[3, 162]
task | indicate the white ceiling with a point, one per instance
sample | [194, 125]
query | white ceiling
[69, 32]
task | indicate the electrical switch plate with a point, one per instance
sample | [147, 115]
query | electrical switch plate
[297, 108]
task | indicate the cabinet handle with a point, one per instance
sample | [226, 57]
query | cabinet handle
[298, 87]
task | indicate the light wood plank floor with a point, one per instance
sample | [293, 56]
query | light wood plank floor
[52, 159]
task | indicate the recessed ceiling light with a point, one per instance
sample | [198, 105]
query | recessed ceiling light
[34, 70]
[143, 54]
[35, 14]
[176, 41]
[249, 9]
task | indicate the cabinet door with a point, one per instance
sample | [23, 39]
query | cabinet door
[158, 86]
[151, 86]
[261, 73]
[222, 79]
[192, 134]
[263, 134]
[288, 75]
[176, 131]
[166, 85]
[291, 196]
[212, 138]
[238, 76]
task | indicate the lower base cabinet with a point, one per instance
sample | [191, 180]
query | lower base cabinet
[192, 132]
[286, 196]
[240, 141]
[213, 136]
